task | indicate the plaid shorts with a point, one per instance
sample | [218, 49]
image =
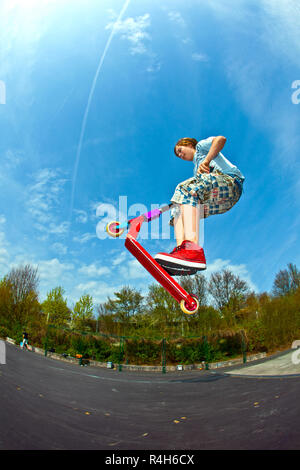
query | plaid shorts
[215, 192]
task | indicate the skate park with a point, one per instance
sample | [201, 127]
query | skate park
[48, 404]
[113, 113]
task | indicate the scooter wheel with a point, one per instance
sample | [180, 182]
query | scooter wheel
[112, 229]
[184, 307]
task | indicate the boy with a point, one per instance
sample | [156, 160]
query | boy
[217, 185]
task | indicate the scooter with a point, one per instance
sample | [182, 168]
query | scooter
[189, 303]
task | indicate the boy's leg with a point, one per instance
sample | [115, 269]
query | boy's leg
[178, 228]
[186, 224]
[189, 258]
[190, 218]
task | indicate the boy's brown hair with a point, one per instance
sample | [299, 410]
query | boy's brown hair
[186, 141]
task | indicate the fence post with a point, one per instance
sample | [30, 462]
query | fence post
[163, 355]
[121, 353]
[244, 348]
[206, 353]
[46, 342]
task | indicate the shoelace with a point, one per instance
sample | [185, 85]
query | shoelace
[184, 246]
[178, 248]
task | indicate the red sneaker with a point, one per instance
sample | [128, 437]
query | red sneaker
[188, 255]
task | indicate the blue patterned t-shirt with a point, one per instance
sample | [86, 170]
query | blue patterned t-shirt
[218, 163]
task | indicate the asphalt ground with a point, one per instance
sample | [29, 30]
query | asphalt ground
[283, 364]
[47, 404]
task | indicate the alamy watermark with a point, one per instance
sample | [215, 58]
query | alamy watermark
[2, 92]
[296, 95]
[2, 352]
[296, 354]
[158, 229]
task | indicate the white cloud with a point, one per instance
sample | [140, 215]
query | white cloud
[81, 216]
[59, 248]
[43, 201]
[177, 18]
[154, 67]
[119, 259]
[93, 270]
[238, 270]
[187, 41]
[99, 290]
[198, 57]
[61, 228]
[12, 158]
[182, 33]
[84, 237]
[134, 31]
[133, 270]
[4, 254]
[53, 270]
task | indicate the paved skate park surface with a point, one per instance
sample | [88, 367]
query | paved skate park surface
[279, 365]
[48, 404]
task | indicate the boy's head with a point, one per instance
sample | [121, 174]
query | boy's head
[185, 148]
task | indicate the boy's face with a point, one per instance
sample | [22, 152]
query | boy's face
[185, 152]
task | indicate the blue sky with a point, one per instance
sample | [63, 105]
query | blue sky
[94, 95]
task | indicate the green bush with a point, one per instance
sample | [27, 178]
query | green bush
[4, 332]
[143, 351]
[114, 355]
[191, 351]
[255, 332]
[16, 333]
[231, 345]
[56, 340]
[99, 349]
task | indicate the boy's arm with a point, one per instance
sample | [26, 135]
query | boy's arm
[216, 147]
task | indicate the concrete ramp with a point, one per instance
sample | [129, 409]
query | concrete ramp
[280, 365]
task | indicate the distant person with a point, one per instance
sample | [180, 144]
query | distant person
[215, 188]
[25, 340]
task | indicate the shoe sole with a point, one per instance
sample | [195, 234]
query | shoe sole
[181, 264]
[177, 271]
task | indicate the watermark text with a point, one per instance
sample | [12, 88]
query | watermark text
[158, 229]
[296, 354]
[296, 95]
[2, 92]
[2, 352]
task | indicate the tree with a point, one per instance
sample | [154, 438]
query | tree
[128, 302]
[23, 280]
[196, 285]
[55, 307]
[163, 309]
[286, 281]
[105, 320]
[83, 312]
[6, 303]
[228, 290]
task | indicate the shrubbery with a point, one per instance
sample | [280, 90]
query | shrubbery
[132, 327]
